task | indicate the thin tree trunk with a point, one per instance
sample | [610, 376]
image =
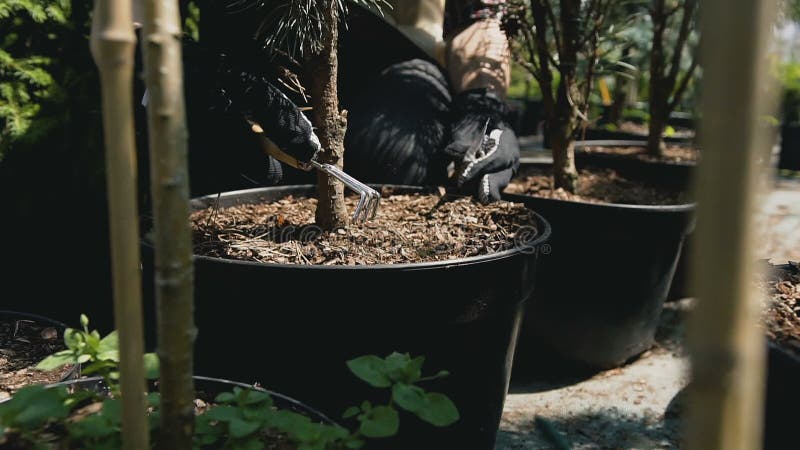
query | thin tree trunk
[656, 127]
[112, 46]
[329, 122]
[173, 246]
[564, 123]
[726, 344]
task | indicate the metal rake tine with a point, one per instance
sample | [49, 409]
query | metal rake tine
[368, 197]
[375, 199]
[360, 207]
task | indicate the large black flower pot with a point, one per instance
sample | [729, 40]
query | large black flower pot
[292, 327]
[790, 148]
[671, 174]
[602, 286]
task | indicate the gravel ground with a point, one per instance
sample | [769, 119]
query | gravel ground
[632, 407]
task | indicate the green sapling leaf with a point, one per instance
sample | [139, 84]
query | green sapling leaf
[439, 410]
[85, 322]
[239, 428]
[409, 397]
[151, 366]
[225, 397]
[351, 412]
[382, 421]
[57, 360]
[371, 369]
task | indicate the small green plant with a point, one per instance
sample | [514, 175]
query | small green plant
[37, 417]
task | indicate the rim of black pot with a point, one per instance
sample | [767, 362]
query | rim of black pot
[231, 384]
[36, 317]
[543, 235]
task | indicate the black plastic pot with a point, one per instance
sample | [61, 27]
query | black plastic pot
[601, 289]
[790, 148]
[59, 326]
[675, 175]
[293, 327]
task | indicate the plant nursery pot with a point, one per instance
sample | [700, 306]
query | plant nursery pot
[601, 288]
[60, 327]
[674, 174]
[790, 148]
[783, 392]
[293, 327]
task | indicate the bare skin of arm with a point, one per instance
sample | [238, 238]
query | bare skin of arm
[478, 57]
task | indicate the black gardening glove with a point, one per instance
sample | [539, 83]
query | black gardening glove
[482, 169]
[241, 93]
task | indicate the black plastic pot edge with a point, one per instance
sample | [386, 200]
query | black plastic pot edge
[209, 200]
[76, 369]
[98, 381]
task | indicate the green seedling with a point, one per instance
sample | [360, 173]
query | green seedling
[236, 420]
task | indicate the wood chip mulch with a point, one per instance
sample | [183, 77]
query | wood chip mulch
[595, 186]
[672, 153]
[781, 318]
[644, 130]
[23, 345]
[408, 229]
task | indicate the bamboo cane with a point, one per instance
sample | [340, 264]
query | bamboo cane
[173, 246]
[727, 348]
[112, 44]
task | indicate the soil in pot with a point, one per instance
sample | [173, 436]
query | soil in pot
[672, 153]
[781, 318]
[409, 228]
[596, 185]
[25, 340]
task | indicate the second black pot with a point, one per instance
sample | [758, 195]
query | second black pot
[601, 288]
[292, 328]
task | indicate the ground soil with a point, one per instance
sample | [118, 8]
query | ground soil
[781, 319]
[407, 229]
[672, 153]
[595, 186]
[642, 128]
[23, 344]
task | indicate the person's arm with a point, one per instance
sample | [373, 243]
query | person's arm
[477, 48]
[484, 149]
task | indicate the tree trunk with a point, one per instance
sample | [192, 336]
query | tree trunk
[329, 122]
[112, 46]
[565, 175]
[658, 122]
[173, 244]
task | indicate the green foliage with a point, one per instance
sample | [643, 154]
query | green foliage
[235, 420]
[97, 356]
[788, 75]
[398, 372]
[34, 79]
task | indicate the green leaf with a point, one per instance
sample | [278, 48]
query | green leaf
[84, 321]
[153, 399]
[240, 428]
[409, 397]
[33, 406]
[351, 412]
[382, 421]
[397, 366]
[223, 413]
[253, 397]
[57, 360]
[225, 397]
[151, 366]
[370, 369]
[108, 347]
[439, 410]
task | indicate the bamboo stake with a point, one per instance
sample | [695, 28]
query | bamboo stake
[727, 348]
[173, 246]
[112, 44]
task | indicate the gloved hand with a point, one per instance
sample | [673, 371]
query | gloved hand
[483, 166]
[236, 91]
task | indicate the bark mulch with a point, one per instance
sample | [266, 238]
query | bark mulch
[595, 186]
[408, 228]
[781, 318]
[672, 153]
[23, 345]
